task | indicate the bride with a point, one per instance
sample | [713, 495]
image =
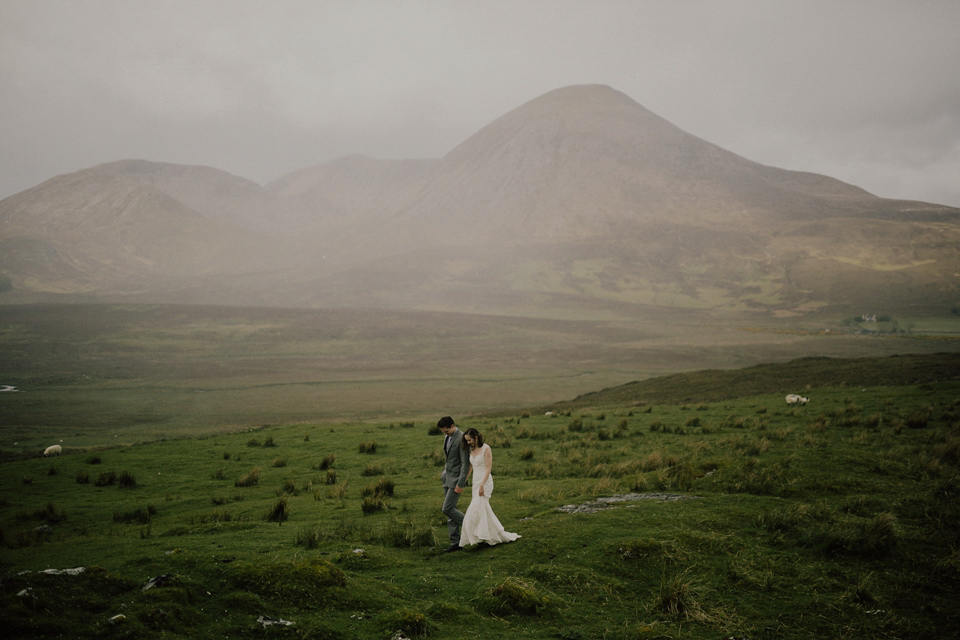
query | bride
[480, 524]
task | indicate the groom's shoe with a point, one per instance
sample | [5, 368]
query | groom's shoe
[454, 547]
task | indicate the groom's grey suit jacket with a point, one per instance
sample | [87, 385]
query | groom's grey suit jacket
[457, 464]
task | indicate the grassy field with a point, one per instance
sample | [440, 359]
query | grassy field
[838, 519]
[105, 374]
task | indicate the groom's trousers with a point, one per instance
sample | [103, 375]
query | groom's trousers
[454, 517]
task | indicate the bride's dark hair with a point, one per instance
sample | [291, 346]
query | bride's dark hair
[476, 434]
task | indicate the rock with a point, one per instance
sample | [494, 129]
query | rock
[605, 503]
[267, 621]
[158, 581]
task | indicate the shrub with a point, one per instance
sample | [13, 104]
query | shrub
[327, 462]
[575, 425]
[83, 477]
[94, 459]
[253, 442]
[526, 454]
[279, 462]
[368, 447]
[331, 477]
[269, 442]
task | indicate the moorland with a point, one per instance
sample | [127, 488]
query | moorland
[93, 374]
[224, 474]
[245, 379]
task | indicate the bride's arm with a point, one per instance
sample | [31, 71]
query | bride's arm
[488, 458]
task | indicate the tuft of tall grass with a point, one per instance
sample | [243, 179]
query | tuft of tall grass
[288, 488]
[516, 596]
[106, 479]
[372, 504]
[288, 580]
[382, 488]
[368, 447]
[137, 516]
[406, 534]
[280, 512]
[127, 480]
[249, 479]
[878, 537]
[679, 596]
[406, 622]
[920, 418]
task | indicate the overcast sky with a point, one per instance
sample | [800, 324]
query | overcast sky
[867, 91]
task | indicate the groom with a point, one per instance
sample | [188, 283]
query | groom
[453, 478]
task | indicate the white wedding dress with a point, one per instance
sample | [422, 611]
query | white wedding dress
[480, 524]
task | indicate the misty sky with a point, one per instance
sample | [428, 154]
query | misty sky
[867, 91]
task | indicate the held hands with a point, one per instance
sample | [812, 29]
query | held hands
[458, 489]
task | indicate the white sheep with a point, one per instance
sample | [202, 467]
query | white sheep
[795, 399]
[52, 450]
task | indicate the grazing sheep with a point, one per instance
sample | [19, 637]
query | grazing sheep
[795, 399]
[52, 450]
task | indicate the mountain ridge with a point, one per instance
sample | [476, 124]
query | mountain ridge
[580, 194]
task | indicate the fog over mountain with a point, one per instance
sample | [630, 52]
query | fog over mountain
[578, 198]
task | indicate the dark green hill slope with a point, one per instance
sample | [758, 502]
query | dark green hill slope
[796, 376]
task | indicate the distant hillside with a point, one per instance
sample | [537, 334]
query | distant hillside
[214, 193]
[801, 376]
[580, 201]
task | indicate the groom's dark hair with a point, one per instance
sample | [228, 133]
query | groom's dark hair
[444, 422]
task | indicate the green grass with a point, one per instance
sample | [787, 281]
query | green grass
[840, 519]
[108, 374]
